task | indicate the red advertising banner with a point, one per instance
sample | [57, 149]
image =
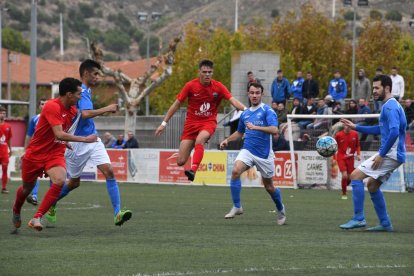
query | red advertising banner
[119, 162]
[283, 169]
[169, 170]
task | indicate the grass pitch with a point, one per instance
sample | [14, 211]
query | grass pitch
[180, 230]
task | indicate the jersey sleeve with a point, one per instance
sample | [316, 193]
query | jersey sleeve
[393, 122]
[226, 93]
[271, 118]
[85, 102]
[184, 92]
[241, 127]
[31, 128]
[52, 114]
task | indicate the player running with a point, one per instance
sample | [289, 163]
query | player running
[81, 153]
[45, 153]
[378, 168]
[5, 149]
[348, 144]
[258, 124]
[32, 198]
[204, 96]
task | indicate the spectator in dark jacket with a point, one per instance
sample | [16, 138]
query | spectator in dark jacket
[132, 142]
[281, 113]
[409, 114]
[119, 143]
[310, 87]
[108, 140]
[363, 109]
[279, 143]
[280, 88]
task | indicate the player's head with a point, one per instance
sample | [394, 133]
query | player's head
[255, 94]
[3, 111]
[89, 72]
[42, 102]
[347, 128]
[71, 89]
[205, 71]
[381, 86]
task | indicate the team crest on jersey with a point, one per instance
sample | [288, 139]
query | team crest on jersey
[215, 95]
[204, 110]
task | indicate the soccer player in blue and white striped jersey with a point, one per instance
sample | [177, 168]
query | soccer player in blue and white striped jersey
[378, 168]
[257, 124]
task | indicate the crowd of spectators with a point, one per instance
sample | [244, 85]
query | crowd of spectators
[120, 142]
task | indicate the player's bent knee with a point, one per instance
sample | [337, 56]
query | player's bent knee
[235, 174]
[357, 175]
[373, 185]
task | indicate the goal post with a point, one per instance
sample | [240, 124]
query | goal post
[313, 169]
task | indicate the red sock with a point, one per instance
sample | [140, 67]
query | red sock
[50, 198]
[197, 156]
[344, 184]
[19, 201]
[4, 176]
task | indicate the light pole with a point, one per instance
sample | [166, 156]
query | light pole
[146, 17]
[333, 9]
[236, 17]
[353, 53]
[33, 56]
[1, 49]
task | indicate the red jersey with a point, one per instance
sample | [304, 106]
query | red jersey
[348, 143]
[203, 101]
[44, 144]
[5, 136]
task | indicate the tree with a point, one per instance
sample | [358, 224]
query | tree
[154, 46]
[13, 40]
[375, 15]
[140, 86]
[393, 15]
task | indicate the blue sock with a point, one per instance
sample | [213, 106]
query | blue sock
[113, 192]
[277, 199]
[35, 189]
[358, 197]
[235, 188]
[65, 191]
[380, 208]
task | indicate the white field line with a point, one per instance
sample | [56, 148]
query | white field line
[271, 269]
[62, 207]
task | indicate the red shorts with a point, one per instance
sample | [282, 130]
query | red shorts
[4, 159]
[346, 165]
[31, 170]
[191, 129]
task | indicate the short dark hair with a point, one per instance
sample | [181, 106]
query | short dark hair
[68, 85]
[279, 71]
[3, 109]
[88, 65]
[42, 100]
[250, 72]
[394, 67]
[384, 79]
[379, 69]
[206, 63]
[257, 85]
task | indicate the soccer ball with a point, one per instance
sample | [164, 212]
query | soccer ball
[326, 146]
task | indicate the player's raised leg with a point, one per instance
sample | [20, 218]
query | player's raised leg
[201, 139]
[235, 189]
[358, 198]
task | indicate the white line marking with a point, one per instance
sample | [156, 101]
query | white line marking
[87, 207]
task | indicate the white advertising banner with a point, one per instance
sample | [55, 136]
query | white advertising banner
[312, 168]
[143, 165]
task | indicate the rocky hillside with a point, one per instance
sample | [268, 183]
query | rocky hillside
[115, 24]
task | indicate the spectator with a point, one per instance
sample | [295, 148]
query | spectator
[233, 123]
[119, 143]
[378, 104]
[280, 88]
[281, 113]
[362, 86]
[310, 87]
[337, 88]
[324, 108]
[251, 79]
[296, 86]
[409, 114]
[352, 107]
[363, 109]
[132, 142]
[279, 143]
[397, 84]
[108, 140]
[310, 108]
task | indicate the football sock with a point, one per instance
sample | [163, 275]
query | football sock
[358, 197]
[50, 198]
[197, 156]
[344, 184]
[113, 191]
[4, 176]
[380, 208]
[35, 189]
[65, 191]
[235, 188]
[277, 199]
[19, 201]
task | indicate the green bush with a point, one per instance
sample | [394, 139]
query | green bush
[349, 16]
[275, 13]
[86, 10]
[393, 15]
[13, 40]
[375, 15]
[153, 46]
[117, 41]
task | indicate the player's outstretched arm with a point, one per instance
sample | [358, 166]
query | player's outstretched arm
[236, 135]
[64, 136]
[234, 102]
[91, 113]
[173, 108]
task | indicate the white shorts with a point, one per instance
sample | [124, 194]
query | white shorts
[384, 171]
[265, 166]
[82, 152]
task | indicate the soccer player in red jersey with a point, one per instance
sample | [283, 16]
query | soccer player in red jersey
[45, 153]
[5, 148]
[348, 144]
[204, 97]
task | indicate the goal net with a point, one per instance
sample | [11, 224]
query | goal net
[313, 170]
